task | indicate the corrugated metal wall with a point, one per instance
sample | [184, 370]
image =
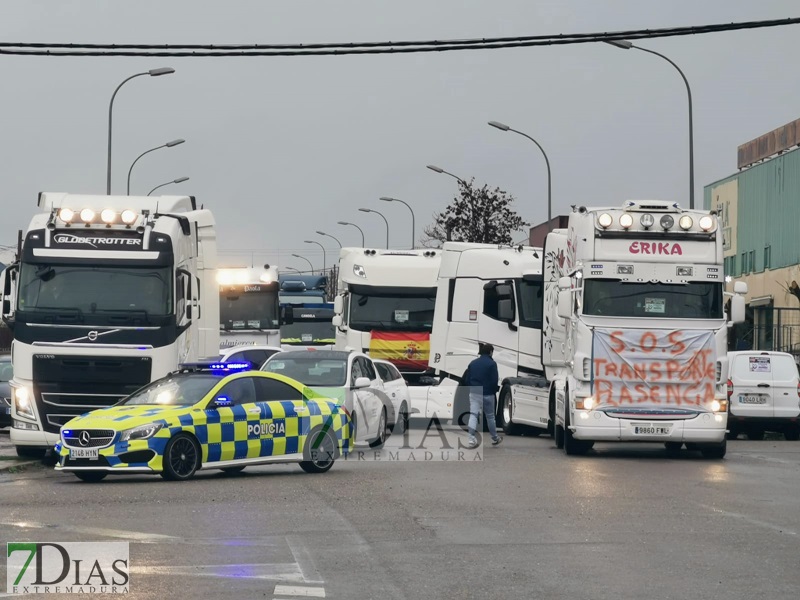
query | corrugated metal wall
[768, 212]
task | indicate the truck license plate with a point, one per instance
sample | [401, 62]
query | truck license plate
[752, 399]
[650, 430]
[90, 453]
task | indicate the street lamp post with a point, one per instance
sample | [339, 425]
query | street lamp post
[152, 73]
[324, 259]
[167, 145]
[626, 45]
[363, 242]
[413, 224]
[436, 169]
[310, 266]
[178, 180]
[293, 269]
[503, 127]
[330, 236]
[369, 210]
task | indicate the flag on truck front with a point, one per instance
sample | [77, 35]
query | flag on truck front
[647, 367]
[408, 351]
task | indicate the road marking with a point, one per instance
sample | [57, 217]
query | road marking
[750, 520]
[296, 590]
[304, 560]
[137, 536]
[267, 571]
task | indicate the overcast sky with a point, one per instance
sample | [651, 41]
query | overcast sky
[279, 147]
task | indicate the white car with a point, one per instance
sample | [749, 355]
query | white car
[255, 355]
[350, 378]
[396, 389]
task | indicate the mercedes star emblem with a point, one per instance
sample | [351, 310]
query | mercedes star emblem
[84, 438]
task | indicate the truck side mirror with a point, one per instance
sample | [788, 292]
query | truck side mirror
[337, 320]
[564, 302]
[338, 305]
[505, 310]
[287, 315]
[737, 308]
[740, 287]
[564, 283]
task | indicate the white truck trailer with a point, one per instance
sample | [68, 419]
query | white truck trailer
[249, 312]
[107, 294]
[634, 328]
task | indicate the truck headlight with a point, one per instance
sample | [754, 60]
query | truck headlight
[719, 406]
[143, 432]
[23, 402]
[587, 403]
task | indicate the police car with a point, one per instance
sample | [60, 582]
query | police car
[207, 416]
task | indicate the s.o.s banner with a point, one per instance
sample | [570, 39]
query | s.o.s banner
[653, 367]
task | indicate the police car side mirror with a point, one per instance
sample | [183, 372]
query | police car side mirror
[361, 383]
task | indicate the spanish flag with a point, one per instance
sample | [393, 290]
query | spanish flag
[408, 351]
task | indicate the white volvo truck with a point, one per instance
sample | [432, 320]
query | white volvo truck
[107, 294]
[634, 328]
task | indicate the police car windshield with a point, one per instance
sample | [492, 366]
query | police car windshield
[183, 389]
[325, 372]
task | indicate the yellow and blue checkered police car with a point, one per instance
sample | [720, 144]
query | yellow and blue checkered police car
[207, 416]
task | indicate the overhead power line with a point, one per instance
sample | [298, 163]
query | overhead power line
[400, 47]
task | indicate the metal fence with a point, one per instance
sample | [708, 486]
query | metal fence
[776, 329]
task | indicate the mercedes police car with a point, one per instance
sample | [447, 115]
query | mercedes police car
[207, 416]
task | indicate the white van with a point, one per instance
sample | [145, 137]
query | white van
[763, 394]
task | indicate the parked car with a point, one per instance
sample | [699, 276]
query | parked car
[206, 416]
[350, 378]
[763, 394]
[396, 389]
[6, 373]
[255, 355]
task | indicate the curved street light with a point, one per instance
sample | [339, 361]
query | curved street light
[363, 243]
[503, 127]
[436, 169]
[167, 145]
[324, 259]
[152, 73]
[369, 210]
[310, 266]
[413, 225]
[330, 236]
[626, 45]
[178, 180]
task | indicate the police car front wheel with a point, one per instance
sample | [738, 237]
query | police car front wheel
[181, 458]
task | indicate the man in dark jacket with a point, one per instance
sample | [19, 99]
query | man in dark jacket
[482, 380]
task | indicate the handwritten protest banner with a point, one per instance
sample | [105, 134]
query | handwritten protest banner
[653, 367]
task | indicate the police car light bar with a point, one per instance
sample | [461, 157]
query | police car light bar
[231, 367]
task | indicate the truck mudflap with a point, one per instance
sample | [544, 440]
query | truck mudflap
[598, 425]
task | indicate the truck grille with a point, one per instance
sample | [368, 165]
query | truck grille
[68, 386]
[89, 438]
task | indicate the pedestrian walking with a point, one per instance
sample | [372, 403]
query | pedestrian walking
[482, 380]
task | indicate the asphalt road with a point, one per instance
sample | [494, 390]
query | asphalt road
[525, 522]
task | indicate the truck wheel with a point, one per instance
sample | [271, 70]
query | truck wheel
[733, 432]
[558, 436]
[31, 452]
[319, 451]
[573, 447]
[715, 452]
[181, 458]
[507, 412]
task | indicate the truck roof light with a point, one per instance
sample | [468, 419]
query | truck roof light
[359, 271]
[108, 216]
[667, 221]
[605, 220]
[647, 220]
[686, 222]
[706, 222]
[128, 216]
[87, 215]
[66, 215]
[625, 220]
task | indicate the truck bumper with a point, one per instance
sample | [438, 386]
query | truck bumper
[597, 426]
[34, 439]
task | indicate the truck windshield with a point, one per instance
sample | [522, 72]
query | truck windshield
[239, 310]
[392, 309]
[318, 331]
[693, 300]
[93, 294]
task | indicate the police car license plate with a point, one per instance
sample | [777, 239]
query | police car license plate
[90, 453]
[752, 399]
[650, 430]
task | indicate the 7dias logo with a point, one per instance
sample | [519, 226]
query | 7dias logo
[68, 568]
